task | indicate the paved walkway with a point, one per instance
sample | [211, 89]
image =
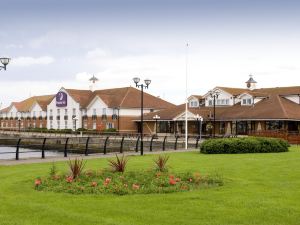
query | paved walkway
[8, 162]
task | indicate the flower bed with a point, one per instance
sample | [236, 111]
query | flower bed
[116, 181]
[143, 182]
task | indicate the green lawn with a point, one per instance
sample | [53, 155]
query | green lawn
[259, 189]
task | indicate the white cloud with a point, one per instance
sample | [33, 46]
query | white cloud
[29, 61]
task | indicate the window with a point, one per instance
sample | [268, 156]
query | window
[84, 112]
[210, 102]
[51, 124]
[85, 124]
[34, 124]
[104, 111]
[94, 112]
[109, 125]
[41, 125]
[51, 112]
[114, 111]
[246, 101]
[74, 112]
[94, 126]
[58, 112]
[58, 124]
[66, 112]
[41, 113]
[193, 104]
[33, 113]
[74, 124]
[66, 124]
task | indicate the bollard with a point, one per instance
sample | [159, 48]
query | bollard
[66, 148]
[175, 145]
[164, 143]
[121, 147]
[86, 153]
[137, 144]
[17, 150]
[105, 144]
[43, 148]
[197, 141]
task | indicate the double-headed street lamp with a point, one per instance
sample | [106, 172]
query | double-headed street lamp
[4, 62]
[156, 117]
[136, 80]
[199, 122]
[214, 94]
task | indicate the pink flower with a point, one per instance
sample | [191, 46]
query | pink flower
[107, 181]
[38, 182]
[190, 180]
[177, 179]
[69, 179]
[94, 184]
[171, 177]
[135, 186]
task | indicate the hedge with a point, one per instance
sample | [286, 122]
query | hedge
[243, 145]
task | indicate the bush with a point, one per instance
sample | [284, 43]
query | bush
[243, 145]
[110, 130]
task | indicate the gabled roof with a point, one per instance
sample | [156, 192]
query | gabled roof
[199, 97]
[233, 91]
[129, 97]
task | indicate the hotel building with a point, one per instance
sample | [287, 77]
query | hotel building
[72, 109]
[238, 111]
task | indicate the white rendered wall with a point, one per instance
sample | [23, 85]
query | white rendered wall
[71, 104]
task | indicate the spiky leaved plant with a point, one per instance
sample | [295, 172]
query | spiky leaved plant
[118, 164]
[161, 163]
[76, 167]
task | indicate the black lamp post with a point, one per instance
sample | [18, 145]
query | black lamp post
[136, 80]
[4, 62]
[214, 94]
[156, 117]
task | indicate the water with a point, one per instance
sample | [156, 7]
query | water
[25, 153]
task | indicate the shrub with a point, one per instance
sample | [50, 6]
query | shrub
[76, 167]
[243, 145]
[161, 163]
[110, 130]
[119, 164]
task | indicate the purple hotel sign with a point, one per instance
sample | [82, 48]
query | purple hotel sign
[61, 99]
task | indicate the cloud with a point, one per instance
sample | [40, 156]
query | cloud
[83, 76]
[30, 61]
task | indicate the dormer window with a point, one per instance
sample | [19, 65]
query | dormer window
[247, 101]
[194, 103]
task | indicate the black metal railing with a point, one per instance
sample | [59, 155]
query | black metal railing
[65, 146]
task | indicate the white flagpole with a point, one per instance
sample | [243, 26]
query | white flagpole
[186, 97]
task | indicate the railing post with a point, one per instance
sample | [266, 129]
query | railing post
[66, 148]
[87, 146]
[151, 142]
[17, 149]
[43, 148]
[121, 147]
[197, 141]
[175, 145]
[105, 144]
[137, 144]
[164, 143]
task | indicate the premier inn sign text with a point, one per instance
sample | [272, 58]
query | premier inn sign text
[61, 99]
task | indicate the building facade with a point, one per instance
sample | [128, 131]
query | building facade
[238, 111]
[99, 110]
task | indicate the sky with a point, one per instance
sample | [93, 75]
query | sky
[62, 43]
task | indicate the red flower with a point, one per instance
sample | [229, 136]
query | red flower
[69, 179]
[107, 181]
[135, 186]
[172, 182]
[38, 182]
[94, 184]
[171, 177]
